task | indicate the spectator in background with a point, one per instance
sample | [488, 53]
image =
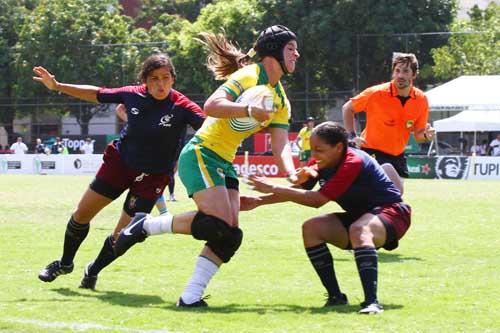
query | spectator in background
[479, 150]
[40, 147]
[88, 146]
[303, 138]
[19, 147]
[494, 146]
[57, 147]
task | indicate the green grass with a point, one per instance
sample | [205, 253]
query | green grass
[442, 278]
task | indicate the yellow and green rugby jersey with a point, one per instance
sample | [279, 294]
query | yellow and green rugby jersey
[217, 133]
[305, 138]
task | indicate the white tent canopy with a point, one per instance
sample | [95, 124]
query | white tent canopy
[470, 92]
[470, 121]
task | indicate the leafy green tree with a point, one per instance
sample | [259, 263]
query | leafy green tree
[340, 40]
[75, 40]
[239, 20]
[13, 12]
[475, 52]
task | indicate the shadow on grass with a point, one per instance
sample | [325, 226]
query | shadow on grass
[395, 257]
[136, 300]
[115, 297]
[277, 308]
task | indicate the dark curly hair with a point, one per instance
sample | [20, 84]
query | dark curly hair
[154, 62]
[331, 133]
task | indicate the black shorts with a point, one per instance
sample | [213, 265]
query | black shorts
[398, 161]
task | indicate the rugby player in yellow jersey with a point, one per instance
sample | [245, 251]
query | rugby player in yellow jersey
[304, 138]
[205, 163]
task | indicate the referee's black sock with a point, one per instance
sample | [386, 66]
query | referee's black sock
[74, 236]
[105, 257]
[322, 261]
[367, 262]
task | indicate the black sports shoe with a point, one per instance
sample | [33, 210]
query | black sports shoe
[88, 281]
[53, 270]
[336, 300]
[133, 233]
[198, 304]
[371, 308]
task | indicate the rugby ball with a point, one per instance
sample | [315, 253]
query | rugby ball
[260, 96]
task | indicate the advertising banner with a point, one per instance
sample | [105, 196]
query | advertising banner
[16, 164]
[421, 167]
[454, 167]
[484, 167]
[264, 165]
[76, 164]
[440, 167]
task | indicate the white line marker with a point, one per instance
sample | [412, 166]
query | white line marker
[78, 326]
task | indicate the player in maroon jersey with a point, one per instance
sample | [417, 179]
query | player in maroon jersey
[140, 161]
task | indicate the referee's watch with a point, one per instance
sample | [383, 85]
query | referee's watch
[352, 135]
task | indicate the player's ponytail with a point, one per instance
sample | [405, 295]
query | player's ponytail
[224, 58]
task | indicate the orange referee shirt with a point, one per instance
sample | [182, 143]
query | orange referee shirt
[388, 122]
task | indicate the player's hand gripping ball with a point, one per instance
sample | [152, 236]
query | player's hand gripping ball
[259, 96]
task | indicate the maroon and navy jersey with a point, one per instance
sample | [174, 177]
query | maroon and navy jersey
[358, 184]
[150, 140]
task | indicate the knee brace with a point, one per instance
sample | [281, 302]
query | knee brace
[222, 239]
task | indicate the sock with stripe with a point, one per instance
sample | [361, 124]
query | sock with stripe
[73, 238]
[367, 262]
[322, 261]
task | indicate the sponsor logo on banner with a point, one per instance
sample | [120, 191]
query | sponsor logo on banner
[485, 168]
[47, 165]
[252, 169]
[14, 165]
[264, 165]
[77, 163]
[421, 167]
[86, 164]
[73, 144]
[452, 167]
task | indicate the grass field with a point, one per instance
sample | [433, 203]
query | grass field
[444, 277]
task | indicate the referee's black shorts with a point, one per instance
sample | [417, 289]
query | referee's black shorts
[398, 161]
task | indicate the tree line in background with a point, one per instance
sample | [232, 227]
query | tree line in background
[344, 45]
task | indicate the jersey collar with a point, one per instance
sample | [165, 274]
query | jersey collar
[394, 90]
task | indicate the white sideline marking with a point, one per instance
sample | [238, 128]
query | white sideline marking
[78, 326]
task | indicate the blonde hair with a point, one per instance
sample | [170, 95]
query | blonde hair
[224, 57]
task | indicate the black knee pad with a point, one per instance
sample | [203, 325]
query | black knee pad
[209, 228]
[134, 204]
[227, 247]
[222, 239]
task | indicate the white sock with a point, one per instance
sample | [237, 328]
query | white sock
[203, 272]
[159, 224]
